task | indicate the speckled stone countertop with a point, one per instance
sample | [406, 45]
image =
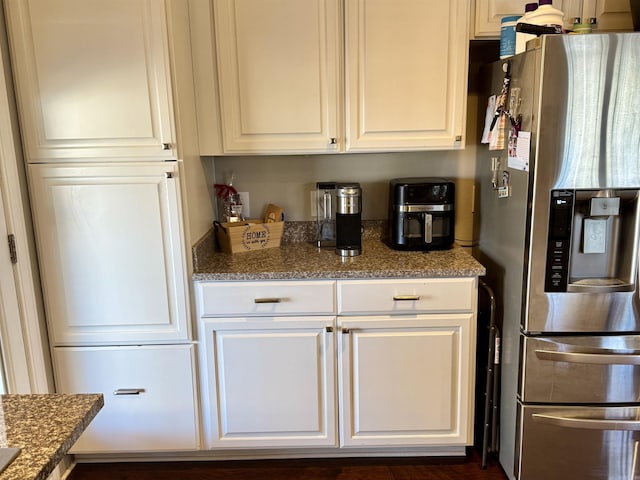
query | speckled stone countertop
[44, 427]
[300, 259]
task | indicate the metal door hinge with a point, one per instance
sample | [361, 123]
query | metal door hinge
[13, 254]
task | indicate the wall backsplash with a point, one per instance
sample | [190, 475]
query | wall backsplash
[287, 180]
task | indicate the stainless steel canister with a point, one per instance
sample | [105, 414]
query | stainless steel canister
[348, 219]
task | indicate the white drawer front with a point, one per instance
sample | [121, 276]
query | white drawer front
[266, 298]
[149, 396]
[407, 296]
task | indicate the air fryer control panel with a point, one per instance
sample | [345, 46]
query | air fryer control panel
[559, 241]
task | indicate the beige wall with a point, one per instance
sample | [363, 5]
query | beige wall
[287, 180]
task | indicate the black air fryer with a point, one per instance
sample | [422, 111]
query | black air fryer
[421, 213]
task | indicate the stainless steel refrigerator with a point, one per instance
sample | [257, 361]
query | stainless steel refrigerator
[559, 236]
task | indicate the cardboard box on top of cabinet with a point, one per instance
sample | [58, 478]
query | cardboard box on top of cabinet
[251, 235]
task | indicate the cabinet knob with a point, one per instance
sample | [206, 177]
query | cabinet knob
[329, 329]
[333, 141]
[346, 331]
[458, 138]
[168, 174]
[166, 146]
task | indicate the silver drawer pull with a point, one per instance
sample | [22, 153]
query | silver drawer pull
[129, 391]
[267, 300]
[405, 298]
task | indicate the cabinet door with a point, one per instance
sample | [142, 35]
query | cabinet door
[111, 252]
[149, 396]
[92, 78]
[270, 382]
[610, 15]
[402, 92]
[407, 380]
[488, 13]
[278, 74]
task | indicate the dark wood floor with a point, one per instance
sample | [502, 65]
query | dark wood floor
[421, 468]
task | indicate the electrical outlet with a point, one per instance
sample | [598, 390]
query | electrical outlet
[244, 198]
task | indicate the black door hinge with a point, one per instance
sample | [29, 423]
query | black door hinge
[12, 248]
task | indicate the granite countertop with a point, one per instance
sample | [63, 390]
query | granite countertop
[298, 260]
[44, 427]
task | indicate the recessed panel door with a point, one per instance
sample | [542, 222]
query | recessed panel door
[111, 253]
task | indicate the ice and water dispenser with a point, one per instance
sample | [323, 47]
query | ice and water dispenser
[593, 240]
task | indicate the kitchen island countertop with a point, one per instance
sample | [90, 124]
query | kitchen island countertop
[303, 260]
[43, 427]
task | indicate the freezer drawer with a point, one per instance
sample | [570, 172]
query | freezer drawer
[593, 369]
[561, 443]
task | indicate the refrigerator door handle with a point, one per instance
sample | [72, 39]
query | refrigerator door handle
[592, 358]
[588, 423]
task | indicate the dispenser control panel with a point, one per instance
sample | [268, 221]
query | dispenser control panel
[559, 241]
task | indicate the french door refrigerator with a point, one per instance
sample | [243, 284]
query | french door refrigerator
[559, 236]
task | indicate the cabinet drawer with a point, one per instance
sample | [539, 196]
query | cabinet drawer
[149, 396]
[265, 298]
[407, 296]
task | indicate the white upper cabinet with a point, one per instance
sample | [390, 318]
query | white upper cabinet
[406, 74]
[489, 13]
[278, 70]
[610, 15]
[92, 79]
[326, 76]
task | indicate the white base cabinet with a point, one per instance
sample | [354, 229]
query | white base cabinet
[398, 360]
[406, 380]
[149, 395]
[274, 382]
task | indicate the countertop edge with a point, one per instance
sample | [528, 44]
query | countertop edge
[73, 436]
[300, 276]
[44, 427]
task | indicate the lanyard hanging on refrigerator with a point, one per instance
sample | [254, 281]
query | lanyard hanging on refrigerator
[502, 99]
